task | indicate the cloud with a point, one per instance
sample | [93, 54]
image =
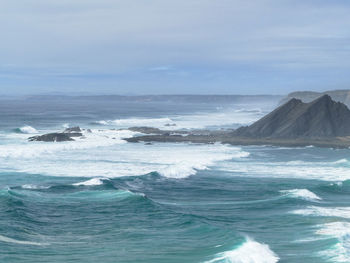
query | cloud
[112, 44]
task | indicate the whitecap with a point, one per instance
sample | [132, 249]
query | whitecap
[327, 171]
[343, 212]
[91, 140]
[34, 187]
[341, 161]
[340, 252]
[99, 155]
[91, 182]
[27, 130]
[21, 242]
[249, 252]
[302, 194]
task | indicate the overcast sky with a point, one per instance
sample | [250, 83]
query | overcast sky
[171, 47]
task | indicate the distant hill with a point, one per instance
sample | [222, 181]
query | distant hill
[307, 96]
[320, 118]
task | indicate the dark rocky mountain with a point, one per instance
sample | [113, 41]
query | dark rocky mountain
[321, 118]
[308, 96]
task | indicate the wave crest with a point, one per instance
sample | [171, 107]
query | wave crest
[91, 182]
[302, 194]
[249, 251]
[26, 130]
[20, 242]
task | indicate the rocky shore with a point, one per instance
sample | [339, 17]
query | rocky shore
[322, 123]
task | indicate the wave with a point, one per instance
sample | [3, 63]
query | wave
[340, 252]
[154, 122]
[34, 187]
[302, 194]
[327, 171]
[249, 252]
[101, 156]
[188, 167]
[26, 130]
[200, 120]
[91, 182]
[103, 195]
[342, 161]
[21, 242]
[343, 212]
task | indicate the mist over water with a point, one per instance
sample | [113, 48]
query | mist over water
[100, 198]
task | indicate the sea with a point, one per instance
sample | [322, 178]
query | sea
[102, 199]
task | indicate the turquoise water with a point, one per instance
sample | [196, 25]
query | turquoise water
[102, 199]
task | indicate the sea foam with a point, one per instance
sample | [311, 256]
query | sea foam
[343, 212]
[91, 182]
[302, 194]
[27, 130]
[249, 252]
[198, 120]
[340, 252]
[328, 171]
[104, 153]
[20, 242]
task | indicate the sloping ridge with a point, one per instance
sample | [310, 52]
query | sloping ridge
[321, 118]
[308, 96]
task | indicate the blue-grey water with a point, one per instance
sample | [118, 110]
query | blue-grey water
[101, 199]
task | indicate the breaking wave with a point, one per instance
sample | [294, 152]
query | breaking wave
[91, 182]
[302, 194]
[26, 130]
[343, 212]
[249, 252]
[339, 252]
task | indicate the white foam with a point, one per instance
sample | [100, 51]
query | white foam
[33, 186]
[328, 171]
[153, 122]
[28, 130]
[191, 121]
[340, 252]
[21, 242]
[249, 252]
[99, 155]
[343, 212]
[91, 182]
[302, 194]
[341, 161]
[90, 140]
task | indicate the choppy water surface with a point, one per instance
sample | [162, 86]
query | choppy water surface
[102, 199]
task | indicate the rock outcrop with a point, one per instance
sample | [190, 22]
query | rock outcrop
[66, 135]
[322, 122]
[321, 118]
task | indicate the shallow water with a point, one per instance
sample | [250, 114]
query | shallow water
[102, 199]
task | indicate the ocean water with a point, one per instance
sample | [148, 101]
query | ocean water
[101, 199]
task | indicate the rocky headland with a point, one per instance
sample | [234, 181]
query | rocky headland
[322, 122]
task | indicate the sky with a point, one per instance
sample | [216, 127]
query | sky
[134, 47]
